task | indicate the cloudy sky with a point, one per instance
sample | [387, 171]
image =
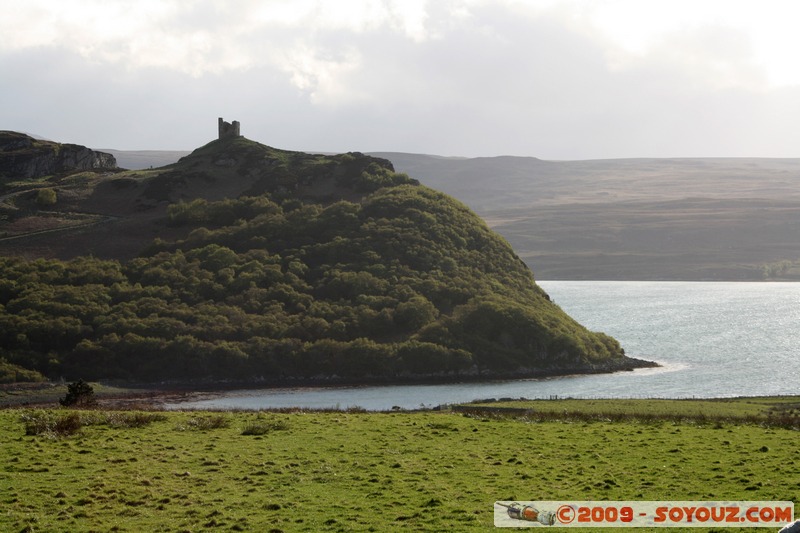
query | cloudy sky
[555, 79]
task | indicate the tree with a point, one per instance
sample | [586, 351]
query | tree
[415, 313]
[79, 394]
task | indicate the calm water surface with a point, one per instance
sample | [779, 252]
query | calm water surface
[713, 339]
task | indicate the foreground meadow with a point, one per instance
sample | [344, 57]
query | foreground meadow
[355, 471]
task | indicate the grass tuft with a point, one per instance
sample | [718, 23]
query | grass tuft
[51, 424]
[121, 419]
[204, 423]
[262, 427]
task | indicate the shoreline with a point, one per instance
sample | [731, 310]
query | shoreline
[143, 396]
[628, 364]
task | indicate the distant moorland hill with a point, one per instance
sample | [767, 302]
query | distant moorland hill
[624, 219]
[632, 219]
[245, 262]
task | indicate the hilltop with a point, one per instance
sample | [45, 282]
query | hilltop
[245, 262]
[120, 212]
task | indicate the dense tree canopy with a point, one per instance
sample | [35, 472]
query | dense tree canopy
[403, 282]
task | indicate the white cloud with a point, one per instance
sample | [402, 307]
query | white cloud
[321, 74]
[198, 37]
[551, 78]
[213, 36]
[766, 34]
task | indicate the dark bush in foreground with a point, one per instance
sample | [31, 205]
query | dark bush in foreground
[79, 394]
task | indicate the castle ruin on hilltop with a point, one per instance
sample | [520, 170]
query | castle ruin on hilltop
[228, 129]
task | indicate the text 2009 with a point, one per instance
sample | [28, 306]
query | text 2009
[604, 514]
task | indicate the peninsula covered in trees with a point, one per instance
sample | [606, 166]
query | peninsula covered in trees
[244, 262]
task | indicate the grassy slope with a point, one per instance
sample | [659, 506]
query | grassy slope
[378, 472]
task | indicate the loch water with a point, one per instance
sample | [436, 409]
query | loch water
[713, 339]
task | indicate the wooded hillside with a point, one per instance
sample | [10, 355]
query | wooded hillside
[330, 267]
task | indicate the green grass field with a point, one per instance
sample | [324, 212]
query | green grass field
[353, 471]
[771, 406]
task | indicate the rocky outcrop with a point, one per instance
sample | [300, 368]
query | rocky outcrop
[22, 156]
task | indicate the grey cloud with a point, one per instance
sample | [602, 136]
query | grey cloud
[497, 84]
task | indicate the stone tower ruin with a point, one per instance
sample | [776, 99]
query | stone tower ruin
[228, 129]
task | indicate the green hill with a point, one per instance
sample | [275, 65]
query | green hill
[278, 266]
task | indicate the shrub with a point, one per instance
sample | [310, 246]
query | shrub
[11, 373]
[50, 424]
[79, 394]
[46, 197]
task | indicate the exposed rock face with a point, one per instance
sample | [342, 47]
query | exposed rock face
[22, 156]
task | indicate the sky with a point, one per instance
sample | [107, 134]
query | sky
[554, 79]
